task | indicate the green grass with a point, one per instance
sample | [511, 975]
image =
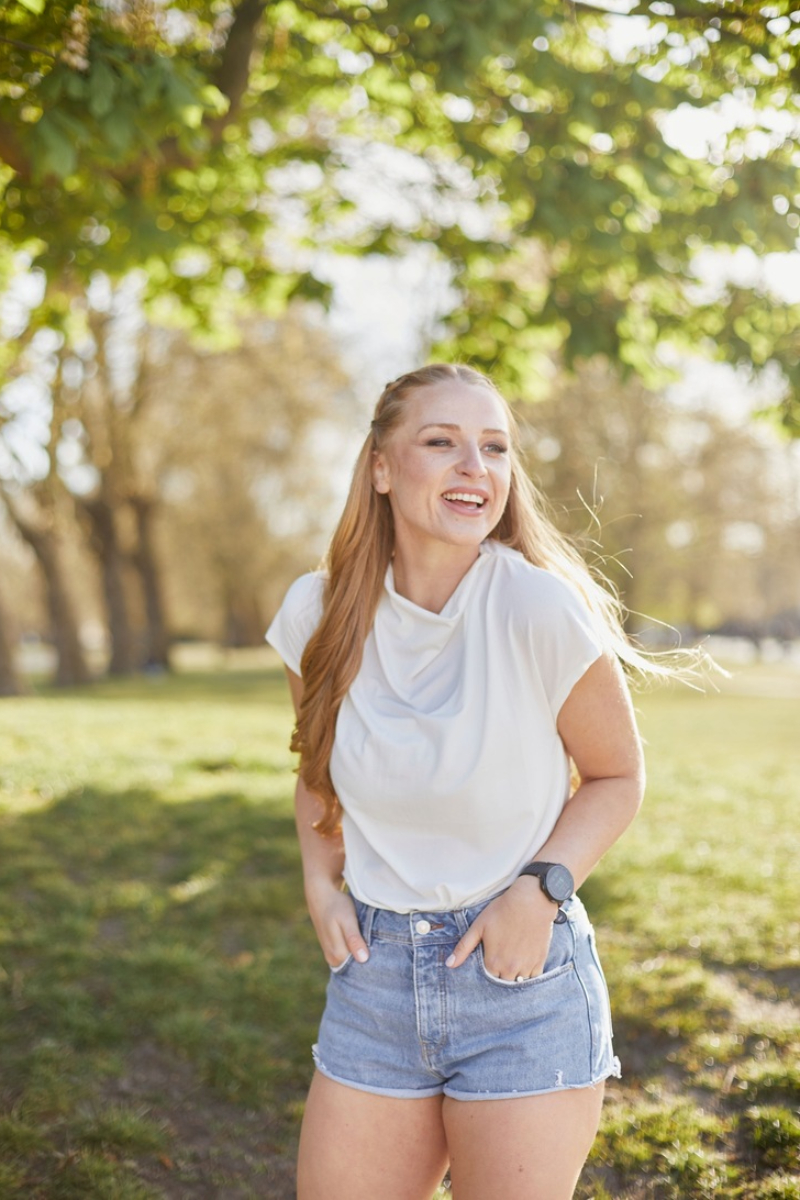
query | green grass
[160, 983]
[698, 916]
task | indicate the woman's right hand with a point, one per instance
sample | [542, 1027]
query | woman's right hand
[335, 921]
[332, 911]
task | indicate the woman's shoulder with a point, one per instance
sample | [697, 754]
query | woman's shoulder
[297, 618]
[305, 593]
[545, 613]
[527, 584]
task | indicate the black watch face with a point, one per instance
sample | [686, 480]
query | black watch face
[559, 883]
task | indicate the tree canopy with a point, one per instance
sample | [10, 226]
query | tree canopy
[219, 148]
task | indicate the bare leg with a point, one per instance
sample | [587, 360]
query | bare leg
[532, 1148]
[357, 1146]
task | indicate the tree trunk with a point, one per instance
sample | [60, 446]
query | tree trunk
[146, 563]
[10, 681]
[71, 668]
[105, 544]
[244, 620]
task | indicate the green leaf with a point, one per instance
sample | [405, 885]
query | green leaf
[118, 130]
[34, 6]
[59, 154]
[214, 100]
[103, 87]
[181, 93]
[75, 86]
[152, 83]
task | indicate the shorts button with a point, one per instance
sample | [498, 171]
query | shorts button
[423, 926]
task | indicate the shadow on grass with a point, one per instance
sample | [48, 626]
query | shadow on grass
[262, 686]
[160, 985]
[165, 944]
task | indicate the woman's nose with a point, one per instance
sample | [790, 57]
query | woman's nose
[472, 461]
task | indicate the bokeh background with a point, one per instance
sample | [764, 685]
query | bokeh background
[224, 225]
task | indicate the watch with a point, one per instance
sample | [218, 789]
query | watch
[556, 880]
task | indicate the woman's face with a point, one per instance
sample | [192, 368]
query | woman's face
[446, 466]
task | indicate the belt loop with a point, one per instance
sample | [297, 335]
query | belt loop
[462, 920]
[368, 921]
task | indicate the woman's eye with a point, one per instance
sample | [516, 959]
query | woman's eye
[491, 448]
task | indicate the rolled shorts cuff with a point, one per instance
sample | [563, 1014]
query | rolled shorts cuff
[394, 1093]
[614, 1072]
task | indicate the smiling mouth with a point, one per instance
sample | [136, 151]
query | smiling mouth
[466, 501]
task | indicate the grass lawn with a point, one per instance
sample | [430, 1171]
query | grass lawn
[160, 983]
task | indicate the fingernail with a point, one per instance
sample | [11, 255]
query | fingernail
[362, 955]
[450, 961]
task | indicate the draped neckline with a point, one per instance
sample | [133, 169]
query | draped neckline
[455, 604]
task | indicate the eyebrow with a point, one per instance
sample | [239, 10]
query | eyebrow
[449, 425]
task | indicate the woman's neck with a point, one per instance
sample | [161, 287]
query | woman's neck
[429, 580]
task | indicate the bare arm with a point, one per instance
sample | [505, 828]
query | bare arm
[598, 729]
[332, 912]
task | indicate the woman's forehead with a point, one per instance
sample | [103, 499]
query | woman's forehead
[457, 403]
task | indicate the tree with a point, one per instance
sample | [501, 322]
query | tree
[249, 469]
[178, 138]
[200, 478]
[10, 682]
[105, 411]
[694, 517]
[35, 513]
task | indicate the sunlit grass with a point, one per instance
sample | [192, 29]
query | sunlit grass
[160, 983]
[698, 915]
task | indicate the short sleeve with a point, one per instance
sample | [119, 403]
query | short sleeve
[566, 639]
[297, 618]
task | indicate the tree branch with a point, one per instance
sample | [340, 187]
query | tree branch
[234, 69]
[700, 17]
[33, 534]
[231, 78]
[11, 152]
[27, 46]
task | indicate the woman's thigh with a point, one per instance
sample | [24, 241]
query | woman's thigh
[532, 1148]
[357, 1146]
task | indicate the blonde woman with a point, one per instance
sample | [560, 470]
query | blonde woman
[450, 665]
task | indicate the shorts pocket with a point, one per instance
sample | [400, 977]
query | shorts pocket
[361, 909]
[519, 985]
[601, 973]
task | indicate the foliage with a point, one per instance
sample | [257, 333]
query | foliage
[160, 983]
[243, 449]
[201, 476]
[218, 146]
[645, 484]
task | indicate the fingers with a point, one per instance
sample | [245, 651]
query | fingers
[514, 972]
[345, 939]
[517, 960]
[356, 945]
[465, 947]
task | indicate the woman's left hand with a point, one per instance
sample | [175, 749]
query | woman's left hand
[515, 930]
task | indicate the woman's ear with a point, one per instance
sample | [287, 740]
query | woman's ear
[380, 473]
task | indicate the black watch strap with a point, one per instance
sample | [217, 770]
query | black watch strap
[537, 868]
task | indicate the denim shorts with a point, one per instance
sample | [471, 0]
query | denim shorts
[403, 1024]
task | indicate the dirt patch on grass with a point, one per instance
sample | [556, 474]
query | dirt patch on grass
[753, 1010]
[215, 1149]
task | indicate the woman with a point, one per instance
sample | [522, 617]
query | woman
[451, 664]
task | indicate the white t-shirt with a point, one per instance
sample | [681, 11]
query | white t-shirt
[447, 761]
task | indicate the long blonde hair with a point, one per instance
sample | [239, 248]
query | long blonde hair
[355, 568]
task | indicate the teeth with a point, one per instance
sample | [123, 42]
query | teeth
[467, 496]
